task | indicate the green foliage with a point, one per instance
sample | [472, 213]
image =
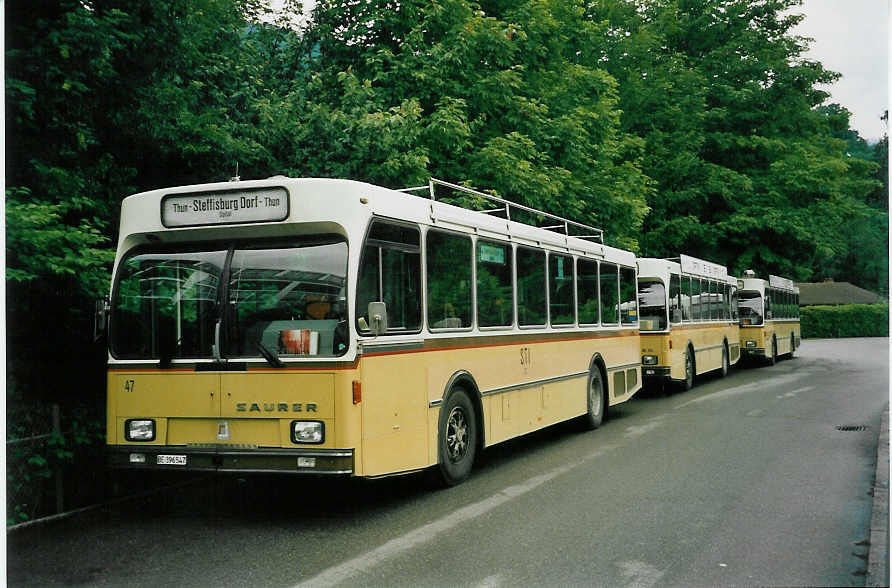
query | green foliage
[41, 244]
[849, 320]
[32, 463]
[750, 171]
[495, 96]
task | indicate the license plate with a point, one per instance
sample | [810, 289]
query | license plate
[171, 460]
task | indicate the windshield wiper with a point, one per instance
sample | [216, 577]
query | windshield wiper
[269, 355]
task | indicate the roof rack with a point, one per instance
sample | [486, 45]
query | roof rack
[506, 206]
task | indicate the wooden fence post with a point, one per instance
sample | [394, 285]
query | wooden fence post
[57, 428]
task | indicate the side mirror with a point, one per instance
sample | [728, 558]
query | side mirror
[100, 318]
[378, 317]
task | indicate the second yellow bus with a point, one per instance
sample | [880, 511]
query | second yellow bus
[688, 321]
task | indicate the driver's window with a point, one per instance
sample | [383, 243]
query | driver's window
[390, 272]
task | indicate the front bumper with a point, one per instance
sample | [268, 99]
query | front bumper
[752, 351]
[654, 373]
[229, 458]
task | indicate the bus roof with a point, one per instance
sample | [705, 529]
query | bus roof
[759, 285]
[684, 265]
[280, 206]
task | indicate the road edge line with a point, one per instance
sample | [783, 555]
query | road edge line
[878, 557]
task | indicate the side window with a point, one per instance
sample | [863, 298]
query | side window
[714, 308]
[696, 300]
[735, 314]
[726, 302]
[686, 302]
[609, 288]
[531, 285]
[587, 291]
[448, 280]
[560, 288]
[796, 302]
[674, 299]
[769, 311]
[390, 272]
[495, 293]
[628, 291]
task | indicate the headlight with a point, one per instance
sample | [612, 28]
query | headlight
[649, 359]
[139, 430]
[307, 431]
[750, 343]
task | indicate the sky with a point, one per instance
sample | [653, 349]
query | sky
[851, 37]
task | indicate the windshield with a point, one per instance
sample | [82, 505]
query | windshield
[750, 305]
[652, 305]
[291, 299]
[166, 305]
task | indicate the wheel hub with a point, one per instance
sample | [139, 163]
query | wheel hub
[456, 434]
[594, 391]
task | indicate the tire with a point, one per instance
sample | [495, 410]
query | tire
[457, 439]
[689, 370]
[772, 359]
[726, 365]
[792, 346]
[597, 400]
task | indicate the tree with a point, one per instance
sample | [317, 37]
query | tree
[106, 98]
[500, 96]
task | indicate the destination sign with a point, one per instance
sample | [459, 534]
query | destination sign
[779, 282]
[698, 267]
[225, 207]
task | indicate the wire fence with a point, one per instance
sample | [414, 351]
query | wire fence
[54, 458]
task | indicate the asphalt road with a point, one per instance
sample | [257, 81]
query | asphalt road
[743, 480]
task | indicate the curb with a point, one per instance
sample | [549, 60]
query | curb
[878, 558]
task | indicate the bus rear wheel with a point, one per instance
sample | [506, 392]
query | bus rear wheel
[457, 439]
[726, 366]
[688, 381]
[597, 400]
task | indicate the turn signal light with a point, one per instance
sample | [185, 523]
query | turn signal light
[357, 392]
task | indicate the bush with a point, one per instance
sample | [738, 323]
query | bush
[848, 320]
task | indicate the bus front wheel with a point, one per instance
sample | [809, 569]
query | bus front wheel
[772, 359]
[457, 439]
[726, 366]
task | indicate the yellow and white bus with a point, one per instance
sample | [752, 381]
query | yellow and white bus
[320, 326]
[769, 317]
[688, 320]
